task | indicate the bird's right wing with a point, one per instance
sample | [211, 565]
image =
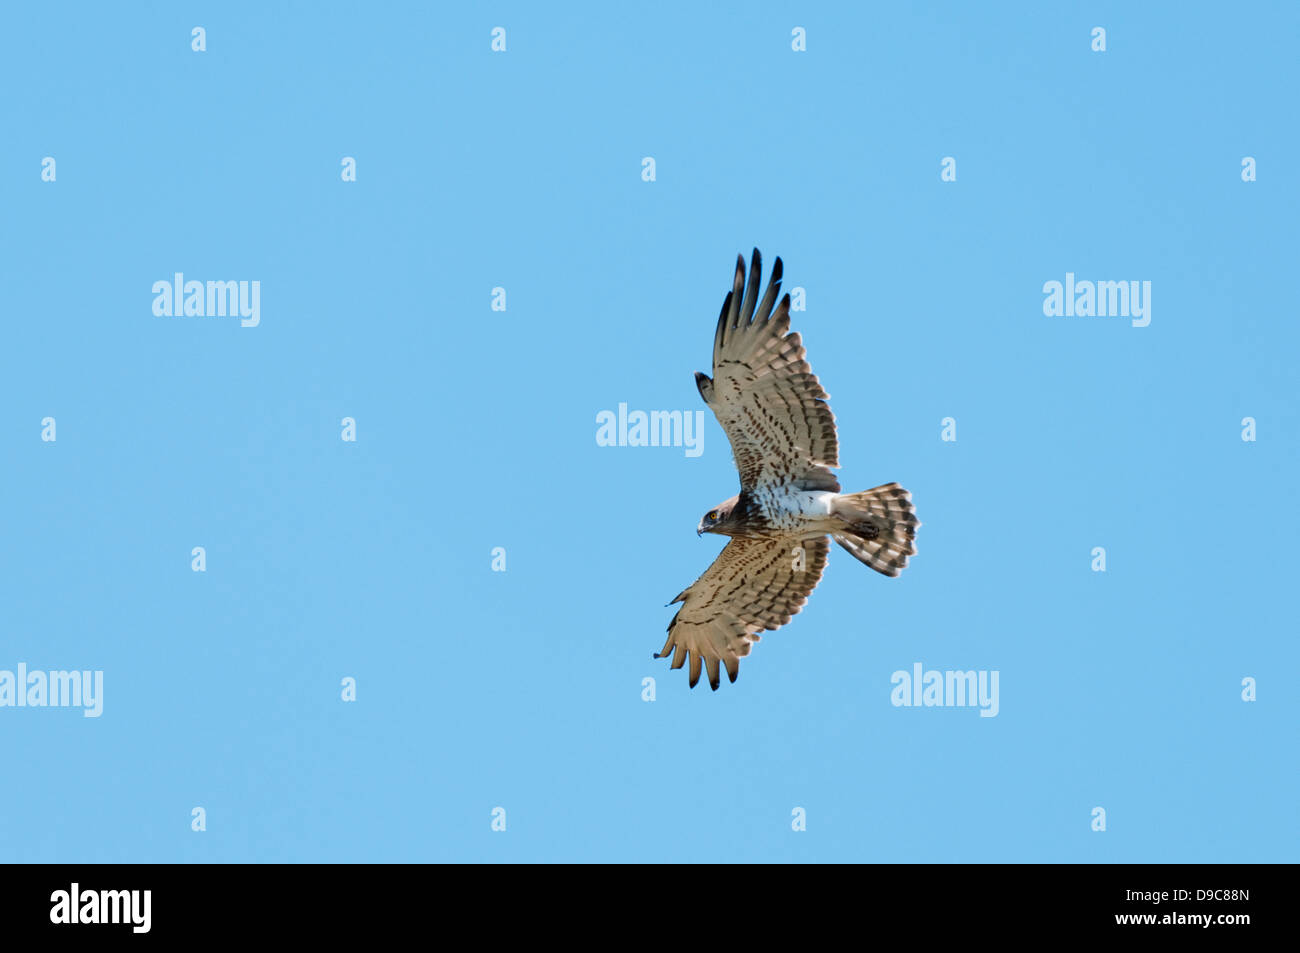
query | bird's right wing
[754, 584]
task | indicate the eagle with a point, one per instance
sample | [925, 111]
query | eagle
[782, 433]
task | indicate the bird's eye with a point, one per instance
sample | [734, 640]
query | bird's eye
[713, 516]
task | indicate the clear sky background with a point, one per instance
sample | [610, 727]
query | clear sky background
[476, 429]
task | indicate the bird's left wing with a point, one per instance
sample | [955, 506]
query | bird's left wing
[754, 584]
[763, 392]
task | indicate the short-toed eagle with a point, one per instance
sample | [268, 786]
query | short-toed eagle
[782, 436]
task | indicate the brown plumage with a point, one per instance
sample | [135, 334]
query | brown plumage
[782, 435]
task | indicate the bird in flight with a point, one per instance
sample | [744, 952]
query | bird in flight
[782, 435]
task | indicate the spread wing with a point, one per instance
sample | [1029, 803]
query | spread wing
[754, 584]
[764, 393]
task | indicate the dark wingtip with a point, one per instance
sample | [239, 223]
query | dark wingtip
[714, 683]
[776, 269]
[733, 675]
[704, 384]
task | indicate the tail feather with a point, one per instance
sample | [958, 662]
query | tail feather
[879, 527]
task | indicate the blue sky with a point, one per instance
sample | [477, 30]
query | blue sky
[475, 429]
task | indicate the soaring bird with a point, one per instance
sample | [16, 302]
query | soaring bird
[782, 435]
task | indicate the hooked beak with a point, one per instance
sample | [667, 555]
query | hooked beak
[699, 530]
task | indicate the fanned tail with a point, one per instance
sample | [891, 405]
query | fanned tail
[879, 527]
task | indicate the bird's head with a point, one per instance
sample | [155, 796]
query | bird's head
[718, 519]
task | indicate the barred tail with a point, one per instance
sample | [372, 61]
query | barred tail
[879, 527]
